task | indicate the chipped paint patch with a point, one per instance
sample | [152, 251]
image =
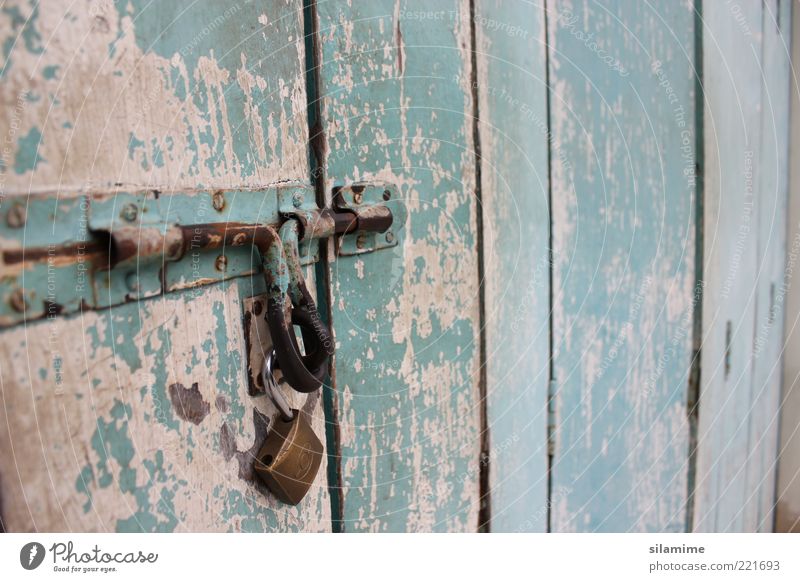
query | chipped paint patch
[188, 403]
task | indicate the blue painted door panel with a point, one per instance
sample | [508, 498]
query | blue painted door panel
[593, 194]
[513, 130]
[396, 106]
[623, 154]
[137, 417]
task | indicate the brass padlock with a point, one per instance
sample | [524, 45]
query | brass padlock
[290, 457]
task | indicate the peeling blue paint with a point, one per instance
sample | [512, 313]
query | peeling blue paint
[50, 72]
[111, 441]
[21, 27]
[85, 478]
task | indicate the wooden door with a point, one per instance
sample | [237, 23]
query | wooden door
[127, 410]
[527, 349]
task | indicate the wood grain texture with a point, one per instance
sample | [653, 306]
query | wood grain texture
[787, 510]
[137, 418]
[396, 106]
[179, 94]
[514, 139]
[771, 212]
[746, 84]
[732, 87]
[623, 203]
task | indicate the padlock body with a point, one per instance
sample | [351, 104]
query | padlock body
[289, 459]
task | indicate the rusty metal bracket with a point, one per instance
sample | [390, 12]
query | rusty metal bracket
[381, 213]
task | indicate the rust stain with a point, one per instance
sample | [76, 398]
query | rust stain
[227, 442]
[188, 403]
[253, 384]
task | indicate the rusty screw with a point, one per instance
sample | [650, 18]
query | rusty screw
[390, 237]
[218, 200]
[387, 194]
[129, 212]
[361, 240]
[358, 197]
[16, 216]
[221, 263]
[18, 301]
[297, 200]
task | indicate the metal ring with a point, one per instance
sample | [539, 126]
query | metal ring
[272, 390]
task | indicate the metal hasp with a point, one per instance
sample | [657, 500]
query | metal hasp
[106, 249]
[289, 302]
[119, 247]
[380, 212]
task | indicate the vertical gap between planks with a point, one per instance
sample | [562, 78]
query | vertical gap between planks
[693, 395]
[316, 160]
[484, 508]
[551, 380]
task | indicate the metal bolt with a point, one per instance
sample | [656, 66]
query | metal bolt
[361, 240]
[18, 301]
[129, 212]
[297, 200]
[390, 237]
[357, 197]
[387, 194]
[221, 263]
[16, 216]
[218, 200]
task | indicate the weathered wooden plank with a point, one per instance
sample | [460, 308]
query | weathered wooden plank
[787, 510]
[771, 212]
[514, 139]
[733, 154]
[396, 106]
[623, 203]
[138, 419]
[178, 95]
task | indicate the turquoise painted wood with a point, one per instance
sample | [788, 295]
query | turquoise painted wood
[137, 417]
[746, 189]
[732, 153]
[513, 130]
[524, 358]
[772, 210]
[623, 211]
[396, 105]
